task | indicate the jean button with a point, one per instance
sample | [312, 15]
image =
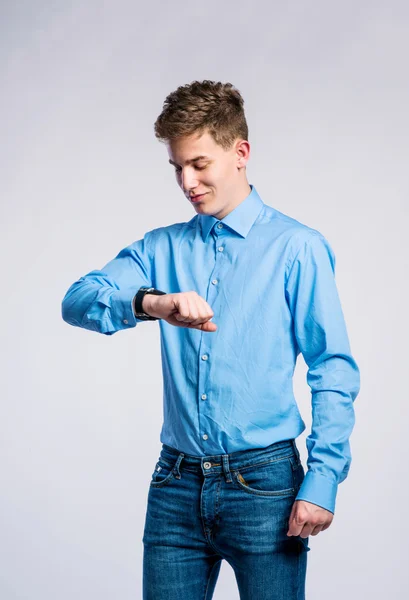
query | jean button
[207, 465]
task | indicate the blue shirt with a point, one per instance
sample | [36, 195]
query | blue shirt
[270, 281]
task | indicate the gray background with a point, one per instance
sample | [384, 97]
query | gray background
[326, 96]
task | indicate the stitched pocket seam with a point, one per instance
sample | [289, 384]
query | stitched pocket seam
[271, 493]
[168, 477]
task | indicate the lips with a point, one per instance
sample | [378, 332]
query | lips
[197, 197]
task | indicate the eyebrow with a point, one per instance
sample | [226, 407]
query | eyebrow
[190, 161]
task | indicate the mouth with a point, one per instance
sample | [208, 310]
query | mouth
[197, 198]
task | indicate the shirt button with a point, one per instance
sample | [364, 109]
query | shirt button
[204, 396]
[220, 248]
[205, 436]
[214, 281]
[125, 321]
[220, 225]
[207, 465]
[204, 357]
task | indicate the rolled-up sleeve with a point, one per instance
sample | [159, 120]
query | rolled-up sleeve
[101, 300]
[333, 374]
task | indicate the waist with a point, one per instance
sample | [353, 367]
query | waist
[236, 460]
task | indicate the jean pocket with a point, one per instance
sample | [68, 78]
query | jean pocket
[277, 478]
[163, 473]
[299, 474]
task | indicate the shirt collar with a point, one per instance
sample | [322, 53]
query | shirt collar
[240, 219]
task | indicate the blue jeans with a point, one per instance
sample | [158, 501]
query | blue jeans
[201, 510]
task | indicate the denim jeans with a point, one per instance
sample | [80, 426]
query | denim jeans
[201, 510]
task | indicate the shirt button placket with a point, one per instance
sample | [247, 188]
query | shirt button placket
[210, 299]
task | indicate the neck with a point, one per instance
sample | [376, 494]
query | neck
[237, 196]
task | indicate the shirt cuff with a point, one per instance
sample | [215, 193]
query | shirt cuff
[122, 315]
[318, 489]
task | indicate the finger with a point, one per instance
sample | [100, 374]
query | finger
[294, 529]
[208, 326]
[207, 309]
[205, 313]
[182, 315]
[202, 310]
[173, 321]
[306, 530]
[197, 312]
[183, 310]
[194, 314]
[295, 526]
[317, 529]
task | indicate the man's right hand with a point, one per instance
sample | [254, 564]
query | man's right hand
[185, 309]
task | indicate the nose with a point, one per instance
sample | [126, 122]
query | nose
[189, 181]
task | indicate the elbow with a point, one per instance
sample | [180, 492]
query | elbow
[74, 315]
[67, 312]
[74, 304]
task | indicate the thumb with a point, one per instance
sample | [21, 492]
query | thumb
[208, 326]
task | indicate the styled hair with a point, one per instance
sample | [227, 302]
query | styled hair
[203, 105]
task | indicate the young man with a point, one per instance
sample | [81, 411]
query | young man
[239, 291]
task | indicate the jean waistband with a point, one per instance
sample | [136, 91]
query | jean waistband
[234, 460]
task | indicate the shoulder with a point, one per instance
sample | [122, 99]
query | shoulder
[169, 231]
[308, 246]
[294, 234]
[300, 242]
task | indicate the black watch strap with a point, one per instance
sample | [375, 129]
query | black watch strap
[137, 302]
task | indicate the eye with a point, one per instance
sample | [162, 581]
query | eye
[178, 169]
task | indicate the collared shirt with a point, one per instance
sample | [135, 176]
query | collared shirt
[270, 281]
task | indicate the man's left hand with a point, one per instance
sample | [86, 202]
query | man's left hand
[308, 519]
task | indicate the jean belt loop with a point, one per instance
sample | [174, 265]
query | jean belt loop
[226, 469]
[177, 465]
[295, 449]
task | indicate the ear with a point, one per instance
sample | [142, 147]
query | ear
[243, 153]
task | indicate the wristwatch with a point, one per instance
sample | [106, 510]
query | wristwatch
[137, 303]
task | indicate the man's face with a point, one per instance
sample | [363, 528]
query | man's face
[203, 167]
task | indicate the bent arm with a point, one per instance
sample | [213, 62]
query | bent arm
[102, 300]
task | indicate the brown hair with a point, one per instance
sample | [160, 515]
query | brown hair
[203, 105]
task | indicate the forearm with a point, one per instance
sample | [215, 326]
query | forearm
[329, 456]
[94, 302]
